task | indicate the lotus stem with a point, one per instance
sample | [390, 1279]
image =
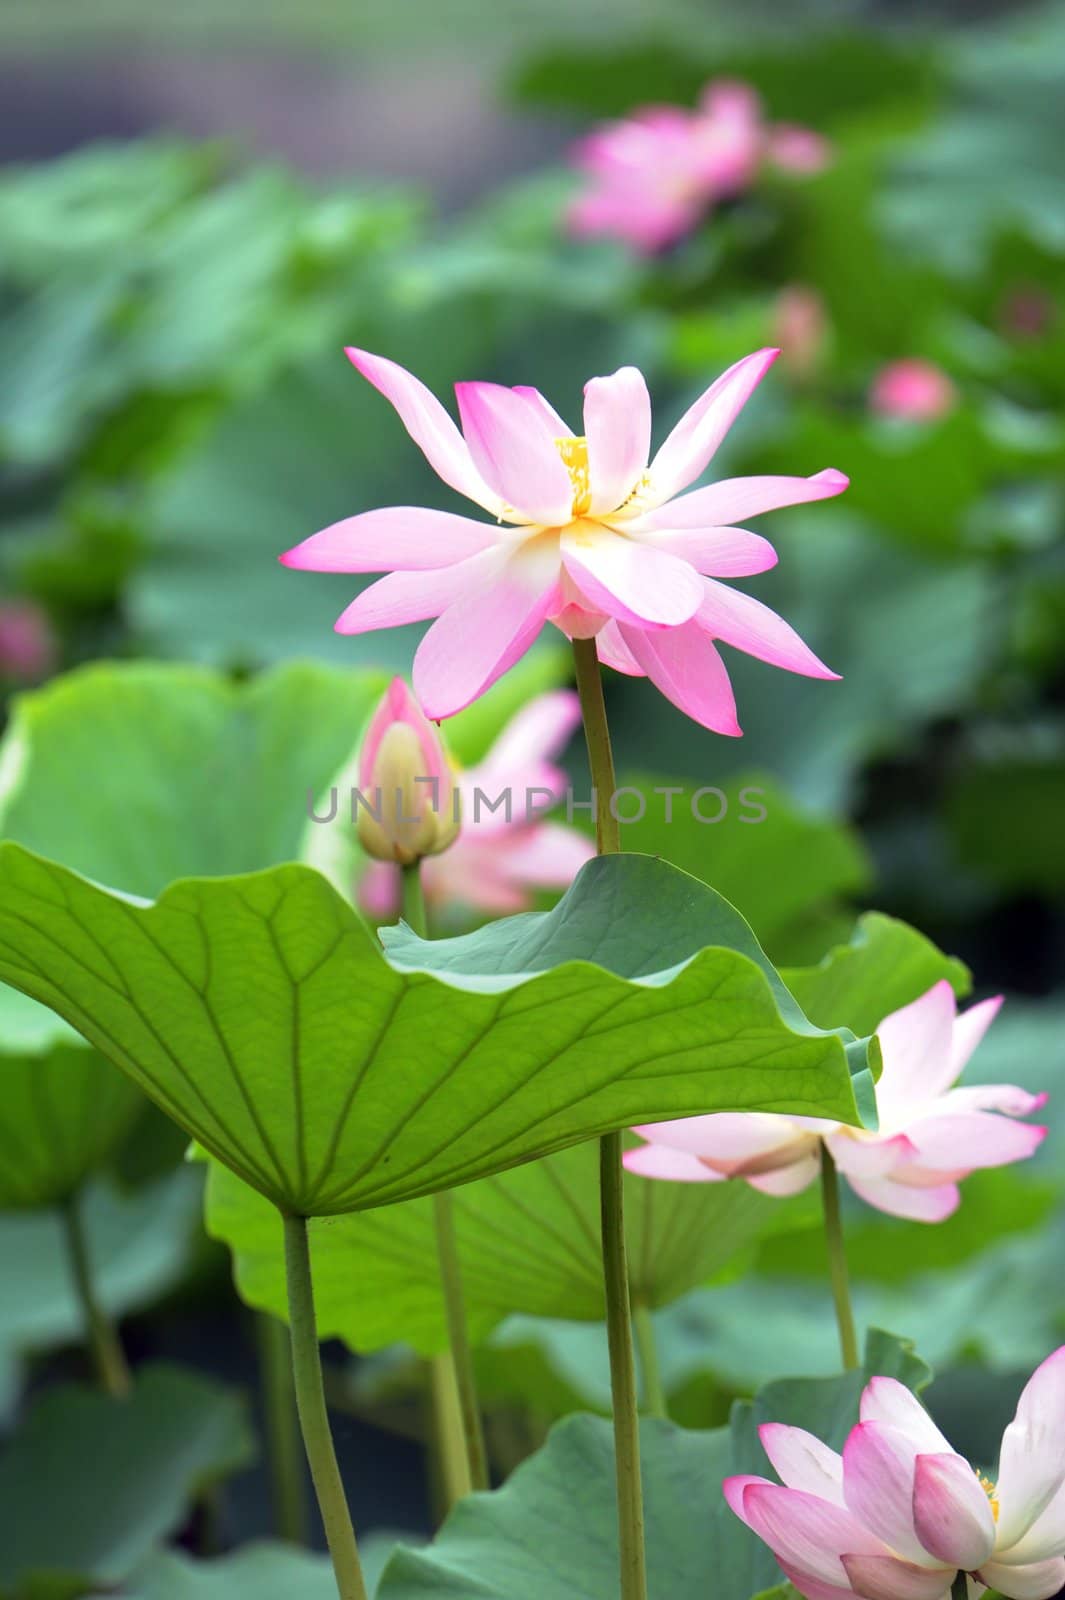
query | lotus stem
[314, 1418]
[837, 1261]
[633, 1558]
[597, 737]
[461, 1355]
[654, 1396]
[459, 1342]
[108, 1356]
[284, 1456]
[451, 1472]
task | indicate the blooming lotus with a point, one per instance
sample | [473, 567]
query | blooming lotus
[915, 390]
[653, 175]
[406, 780]
[932, 1134]
[587, 534]
[899, 1514]
[501, 855]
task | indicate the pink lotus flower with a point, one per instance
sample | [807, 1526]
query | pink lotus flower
[407, 783]
[500, 857]
[931, 1134]
[28, 647]
[586, 535]
[899, 1514]
[915, 390]
[801, 328]
[656, 173]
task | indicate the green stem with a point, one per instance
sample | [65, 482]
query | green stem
[597, 737]
[615, 1265]
[459, 1341]
[108, 1356]
[415, 916]
[314, 1418]
[413, 901]
[654, 1396]
[959, 1589]
[622, 1373]
[451, 1479]
[837, 1260]
[284, 1456]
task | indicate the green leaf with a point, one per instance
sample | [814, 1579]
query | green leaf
[785, 869]
[889, 1250]
[992, 157]
[817, 737]
[260, 1015]
[844, 74]
[918, 481]
[551, 1533]
[189, 773]
[984, 807]
[177, 770]
[64, 1110]
[885, 966]
[140, 1244]
[732, 1336]
[260, 1572]
[278, 465]
[257, 1572]
[954, 1312]
[89, 1484]
[528, 1242]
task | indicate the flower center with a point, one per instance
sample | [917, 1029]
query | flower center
[574, 453]
[989, 1489]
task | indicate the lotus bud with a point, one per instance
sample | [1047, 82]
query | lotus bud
[407, 804]
[29, 649]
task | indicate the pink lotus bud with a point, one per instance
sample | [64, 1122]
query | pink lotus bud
[28, 648]
[1027, 313]
[800, 328]
[801, 150]
[914, 389]
[408, 806]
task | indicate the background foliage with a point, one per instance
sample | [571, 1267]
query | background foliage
[175, 410]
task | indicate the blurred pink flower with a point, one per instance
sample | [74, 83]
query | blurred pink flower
[1027, 313]
[899, 1514]
[586, 535]
[913, 389]
[29, 649]
[654, 174]
[800, 328]
[500, 857]
[406, 780]
[931, 1134]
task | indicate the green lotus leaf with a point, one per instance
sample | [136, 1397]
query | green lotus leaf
[885, 965]
[64, 1110]
[259, 1013]
[528, 1242]
[89, 1483]
[555, 1522]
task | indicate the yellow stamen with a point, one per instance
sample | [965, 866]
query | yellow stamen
[574, 453]
[989, 1489]
[642, 484]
